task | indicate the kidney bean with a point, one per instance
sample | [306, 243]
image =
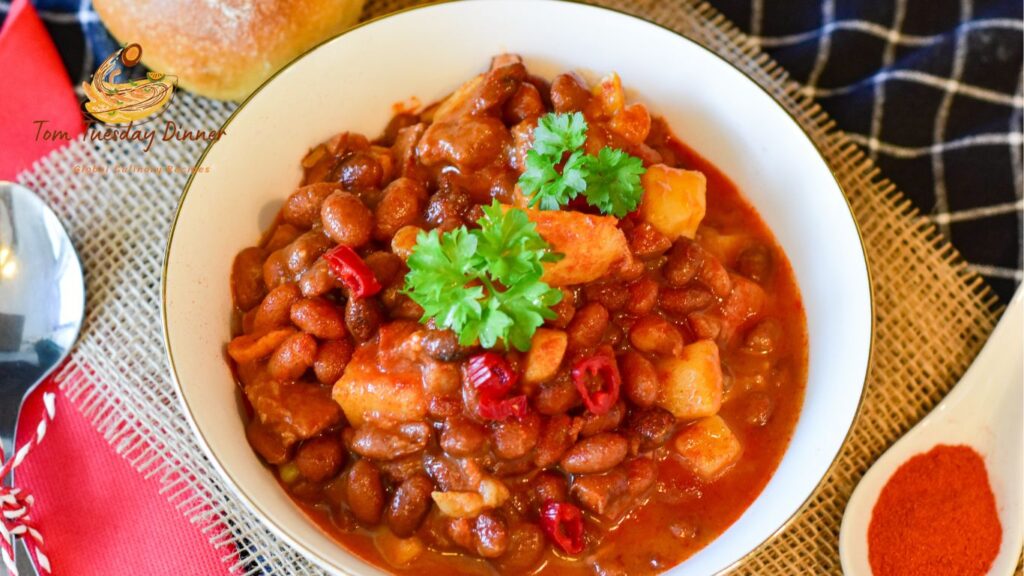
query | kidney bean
[446, 207]
[704, 326]
[592, 424]
[641, 473]
[365, 493]
[764, 337]
[318, 280]
[247, 287]
[683, 301]
[275, 310]
[275, 269]
[331, 359]
[463, 437]
[758, 409]
[467, 142]
[714, 275]
[443, 345]
[565, 310]
[557, 396]
[409, 505]
[400, 206]
[389, 443]
[612, 295]
[346, 219]
[399, 306]
[395, 125]
[490, 535]
[441, 407]
[596, 454]
[587, 326]
[441, 378]
[319, 317]
[526, 545]
[404, 240]
[359, 171]
[755, 262]
[548, 485]
[569, 93]
[293, 357]
[684, 261]
[639, 379]
[320, 458]
[643, 296]
[386, 267]
[514, 438]
[252, 347]
[656, 335]
[651, 427]
[646, 242]
[363, 316]
[302, 253]
[598, 492]
[400, 469]
[282, 235]
[525, 103]
[266, 443]
[557, 436]
[302, 208]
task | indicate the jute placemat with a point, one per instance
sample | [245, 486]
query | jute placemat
[932, 314]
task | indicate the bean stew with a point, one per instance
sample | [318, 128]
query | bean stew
[524, 330]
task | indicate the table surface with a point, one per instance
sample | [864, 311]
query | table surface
[931, 89]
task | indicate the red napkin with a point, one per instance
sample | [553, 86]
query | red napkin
[96, 513]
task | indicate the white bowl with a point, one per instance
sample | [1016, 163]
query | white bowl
[350, 83]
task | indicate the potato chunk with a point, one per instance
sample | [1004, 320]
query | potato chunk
[709, 447]
[545, 356]
[674, 200]
[691, 384]
[367, 394]
[593, 245]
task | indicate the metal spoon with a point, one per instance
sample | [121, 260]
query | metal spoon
[42, 300]
[983, 411]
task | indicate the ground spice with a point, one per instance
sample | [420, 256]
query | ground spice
[936, 516]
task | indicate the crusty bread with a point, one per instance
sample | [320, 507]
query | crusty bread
[224, 48]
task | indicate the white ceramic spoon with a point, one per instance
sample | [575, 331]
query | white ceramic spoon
[983, 411]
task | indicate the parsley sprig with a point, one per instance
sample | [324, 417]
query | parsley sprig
[484, 283]
[557, 169]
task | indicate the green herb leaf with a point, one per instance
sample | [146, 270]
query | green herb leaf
[613, 182]
[484, 283]
[557, 134]
[546, 186]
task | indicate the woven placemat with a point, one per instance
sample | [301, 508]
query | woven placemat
[932, 314]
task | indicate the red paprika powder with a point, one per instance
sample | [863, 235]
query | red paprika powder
[936, 516]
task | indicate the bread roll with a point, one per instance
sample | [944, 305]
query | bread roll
[224, 48]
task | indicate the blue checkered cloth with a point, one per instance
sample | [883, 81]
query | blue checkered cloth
[930, 88]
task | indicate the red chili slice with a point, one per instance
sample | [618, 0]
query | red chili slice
[352, 271]
[490, 375]
[494, 409]
[600, 367]
[563, 524]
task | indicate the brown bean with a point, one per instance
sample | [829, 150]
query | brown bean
[275, 310]
[526, 545]
[643, 296]
[683, 301]
[490, 535]
[514, 438]
[651, 428]
[564, 310]
[396, 124]
[359, 171]
[462, 437]
[304, 251]
[557, 436]
[442, 407]
[596, 454]
[755, 262]
[592, 424]
[547, 486]
[401, 469]
[363, 316]
[525, 103]
[714, 275]
[684, 261]
[266, 443]
[569, 93]
[404, 241]
[764, 337]
[758, 409]
[331, 359]
[386, 267]
[346, 219]
[275, 269]
[318, 280]
[639, 379]
[247, 287]
[319, 317]
[409, 505]
[557, 396]
[440, 378]
[656, 336]
[704, 326]
[365, 493]
[293, 357]
[612, 295]
[587, 326]
[400, 206]
[282, 235]
[646, 242]
[252, 347]
[446, 208]
[443, 345]
[376, 443]
[598, 492]
[320, 458]
[302, 208]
